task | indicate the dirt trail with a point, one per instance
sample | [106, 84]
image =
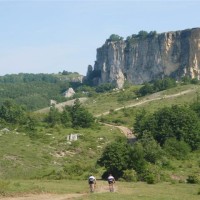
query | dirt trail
[101, 187]
[126, 131]
[45, 197]
[153, 97]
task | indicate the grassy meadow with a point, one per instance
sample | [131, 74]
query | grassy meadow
[47, 162]
[123, 190]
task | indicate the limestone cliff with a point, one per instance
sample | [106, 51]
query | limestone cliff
[142, 58]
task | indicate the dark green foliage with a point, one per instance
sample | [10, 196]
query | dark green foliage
[75, 116]
[163, 84]
[177, 149]
[80, 116]
[27, 78]
[152, 150]
[104, 87]
[34, 90]
[142, 34]
[151, 174]
[196, 106]
[157, 85]
[193, 179]
[131, 162]
[130, 175]
[176, 122]
[136, 159]
[152, 34]
[54, 117]
[186, 80]
[65, 118]
[114, 38]
[146, 89]
[195, 81]
[13, 113]
[115, 158]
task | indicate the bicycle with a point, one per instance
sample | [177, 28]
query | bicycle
[92, 187]
[111, 186]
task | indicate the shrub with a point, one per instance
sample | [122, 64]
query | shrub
[193, 179]
[177, 149]
[130, 175]
[150, 178]
[152, 174]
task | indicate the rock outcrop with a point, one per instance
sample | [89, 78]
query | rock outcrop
[142, 58]
[69, 93]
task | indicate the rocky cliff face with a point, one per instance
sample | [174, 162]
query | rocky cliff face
[142, 58]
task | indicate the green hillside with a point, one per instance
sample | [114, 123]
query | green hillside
[35, 91]
[38, 148]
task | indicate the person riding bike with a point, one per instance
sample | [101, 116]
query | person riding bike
[111, 181]
[92, 182]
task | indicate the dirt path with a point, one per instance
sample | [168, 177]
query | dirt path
[45, 197]
[101, 187]
[153, 97]
[126, 131]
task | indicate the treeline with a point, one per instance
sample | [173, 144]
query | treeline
[157, 85]
[169, 133]
[16, 116]
[34, 91]
[141, 35]
[27, 78]
[75, 116]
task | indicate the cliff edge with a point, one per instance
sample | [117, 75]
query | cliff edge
[147, 56]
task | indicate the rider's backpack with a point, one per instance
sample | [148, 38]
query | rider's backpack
[91, 180]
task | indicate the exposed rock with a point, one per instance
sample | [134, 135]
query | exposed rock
[72, 137]
[69, 93]
[52, 102]
[142, 59]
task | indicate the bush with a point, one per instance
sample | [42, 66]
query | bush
[152, 174]
[177, 149]
[130, 175]
[193, 179]
[150, 178]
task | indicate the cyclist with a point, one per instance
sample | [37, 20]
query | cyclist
[111, 181]
[92, 182]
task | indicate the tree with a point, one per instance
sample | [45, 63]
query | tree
[177, 122]
[115, 158]
[136, 159]
[146, 89]
[152, 150]
[142, 34]
[104, 87]
[177, 149]
[80, 116]
[66, 119]
[53, 117]
[12, 113]
[115, 37]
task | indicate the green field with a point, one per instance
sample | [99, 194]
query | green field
[123, 190]
[48, 163]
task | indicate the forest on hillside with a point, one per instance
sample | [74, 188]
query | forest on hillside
[34, 91]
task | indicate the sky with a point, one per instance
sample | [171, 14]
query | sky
[49, 36]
